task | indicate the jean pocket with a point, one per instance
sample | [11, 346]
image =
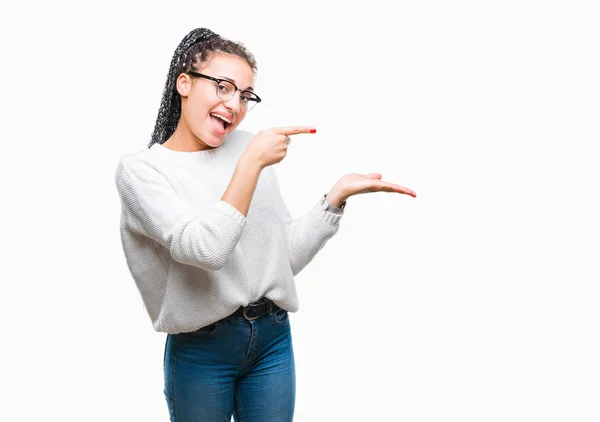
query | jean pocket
[207, 330]
[281, 316]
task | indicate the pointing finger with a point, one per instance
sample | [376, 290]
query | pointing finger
[295, 130]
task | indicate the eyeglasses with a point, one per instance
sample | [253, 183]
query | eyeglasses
[226, 90]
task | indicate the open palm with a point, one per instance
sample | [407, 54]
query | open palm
[355, 184]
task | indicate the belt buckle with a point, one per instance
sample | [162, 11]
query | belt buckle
[247, 317]
[251, 305]
[258, 306]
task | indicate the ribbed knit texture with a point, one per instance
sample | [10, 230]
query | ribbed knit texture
[195, 258]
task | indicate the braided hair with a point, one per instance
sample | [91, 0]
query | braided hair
[192, 53]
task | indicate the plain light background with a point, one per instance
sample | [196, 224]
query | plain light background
[476, 301]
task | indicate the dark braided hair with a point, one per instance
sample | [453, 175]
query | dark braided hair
[193, 52]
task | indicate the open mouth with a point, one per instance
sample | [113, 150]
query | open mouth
[220, 122]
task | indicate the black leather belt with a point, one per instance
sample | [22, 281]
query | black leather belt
[257, 309]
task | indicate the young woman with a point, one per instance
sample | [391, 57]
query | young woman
[210, 243]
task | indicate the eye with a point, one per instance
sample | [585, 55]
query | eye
[247, 96]
[224, 88]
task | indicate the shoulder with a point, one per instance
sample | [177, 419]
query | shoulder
[239, 138]
[241, 135]
[136, 165]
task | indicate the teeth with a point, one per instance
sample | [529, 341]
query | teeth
[225, 119]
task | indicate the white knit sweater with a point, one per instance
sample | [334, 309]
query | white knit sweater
[195, 258]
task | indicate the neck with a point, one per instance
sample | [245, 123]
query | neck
[183, 139]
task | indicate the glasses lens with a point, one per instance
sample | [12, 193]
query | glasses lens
[250, 105]
[249, 98]
[225, 90]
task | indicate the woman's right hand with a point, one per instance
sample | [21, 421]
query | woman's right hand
[270, 146]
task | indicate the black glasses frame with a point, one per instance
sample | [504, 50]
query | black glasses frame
[218, 81]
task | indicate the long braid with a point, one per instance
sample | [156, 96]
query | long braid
[192, 51]
[170, 106]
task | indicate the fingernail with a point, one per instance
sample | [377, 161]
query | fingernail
[313, 131]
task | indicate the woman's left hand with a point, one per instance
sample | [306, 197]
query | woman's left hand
[354, 184]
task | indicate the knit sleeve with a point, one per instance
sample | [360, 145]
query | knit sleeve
[308, 234]
[151, 208]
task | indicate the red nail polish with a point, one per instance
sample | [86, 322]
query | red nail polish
[313, 131]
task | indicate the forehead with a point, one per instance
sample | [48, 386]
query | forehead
[230, 67]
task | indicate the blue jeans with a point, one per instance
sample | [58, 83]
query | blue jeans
[232, 367]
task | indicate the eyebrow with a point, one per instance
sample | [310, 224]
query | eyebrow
[233, 82]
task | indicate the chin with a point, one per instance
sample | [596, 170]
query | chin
[217, 140]
[212, 140]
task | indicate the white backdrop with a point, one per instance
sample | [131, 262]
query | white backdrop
[476, 301]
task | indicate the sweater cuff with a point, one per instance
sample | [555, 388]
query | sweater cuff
[229, 210]
[326, 216]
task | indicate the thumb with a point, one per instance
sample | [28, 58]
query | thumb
[373, 175]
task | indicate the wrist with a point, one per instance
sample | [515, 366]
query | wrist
[249, 164]
[336, 198]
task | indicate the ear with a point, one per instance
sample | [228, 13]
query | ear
[183, 84]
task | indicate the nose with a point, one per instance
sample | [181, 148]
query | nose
[234, 103]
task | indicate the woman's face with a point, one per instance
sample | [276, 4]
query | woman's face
[200, 104]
